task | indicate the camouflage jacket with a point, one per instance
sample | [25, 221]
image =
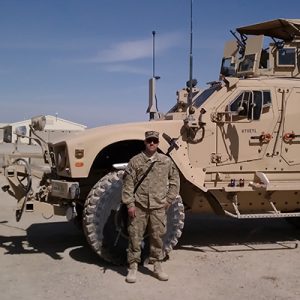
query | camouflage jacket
[159, 187]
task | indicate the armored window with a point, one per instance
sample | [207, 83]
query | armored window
[264, 59]
[286, 57]
[250, 104]
[255, 112]
[234, 106]
[228, 67]
[267, 99]
[247, 64]
[205, 95]
[240, 106]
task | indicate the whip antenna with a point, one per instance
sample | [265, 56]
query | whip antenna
[153, 53]
[152, 108]
[190, 82]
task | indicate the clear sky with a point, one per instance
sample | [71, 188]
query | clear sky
[89, 61]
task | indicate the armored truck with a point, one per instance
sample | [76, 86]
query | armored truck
[236, 145]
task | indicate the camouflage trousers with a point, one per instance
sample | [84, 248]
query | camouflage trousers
[155, 221]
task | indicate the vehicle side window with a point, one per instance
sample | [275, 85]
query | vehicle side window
[257, 105]
[228, 68]
[250, 104]
[233, 107]
[247, 64]
[240, 106]
[286, 57]
[267, 99]
[264, 59]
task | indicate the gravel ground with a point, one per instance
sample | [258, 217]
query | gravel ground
[216, 259]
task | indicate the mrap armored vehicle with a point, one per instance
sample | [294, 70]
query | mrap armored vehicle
[236, 145]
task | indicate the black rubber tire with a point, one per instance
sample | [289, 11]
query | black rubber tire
[105, 220]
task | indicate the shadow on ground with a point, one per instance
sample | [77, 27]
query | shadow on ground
[219, 233]
[51, 238]
[54, 239]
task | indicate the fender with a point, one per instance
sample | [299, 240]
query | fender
[92, 141]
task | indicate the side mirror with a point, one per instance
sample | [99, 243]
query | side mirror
[21, 131]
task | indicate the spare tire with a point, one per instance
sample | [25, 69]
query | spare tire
[105, 220]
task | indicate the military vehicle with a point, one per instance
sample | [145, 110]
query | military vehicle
[236, 145]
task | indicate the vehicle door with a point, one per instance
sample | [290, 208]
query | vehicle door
[291, 128]
[248, 129]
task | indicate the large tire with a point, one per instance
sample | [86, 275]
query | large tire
[105, 220]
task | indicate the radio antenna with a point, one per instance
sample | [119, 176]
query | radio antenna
[152, 108]
[190, 83]
[153, 53]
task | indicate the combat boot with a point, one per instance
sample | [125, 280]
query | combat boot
[159, 273]
[131, 276]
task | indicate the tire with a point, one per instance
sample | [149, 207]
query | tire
[105, 221]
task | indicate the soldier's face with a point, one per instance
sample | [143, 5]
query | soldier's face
[151, 145]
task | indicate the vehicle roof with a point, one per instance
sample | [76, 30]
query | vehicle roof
[284, 29]
[270, 81]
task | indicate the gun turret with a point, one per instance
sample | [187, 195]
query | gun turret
[241, 43]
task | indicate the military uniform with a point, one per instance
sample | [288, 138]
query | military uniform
[159, 188]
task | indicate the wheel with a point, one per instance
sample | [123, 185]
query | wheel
[105, 220]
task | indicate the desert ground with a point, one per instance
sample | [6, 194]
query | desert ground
[216, 258]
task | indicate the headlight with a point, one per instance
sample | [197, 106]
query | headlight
[61, 161]
[61, 158]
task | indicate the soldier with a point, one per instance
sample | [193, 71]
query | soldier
[150, 184]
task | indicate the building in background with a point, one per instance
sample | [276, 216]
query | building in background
[55, 128]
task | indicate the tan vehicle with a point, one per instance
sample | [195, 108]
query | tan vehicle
[236, 145]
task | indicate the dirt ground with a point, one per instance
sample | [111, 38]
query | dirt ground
[217, 258]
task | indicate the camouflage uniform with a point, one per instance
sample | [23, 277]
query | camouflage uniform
[160, 187]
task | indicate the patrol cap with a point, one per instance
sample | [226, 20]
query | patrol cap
[151, 134]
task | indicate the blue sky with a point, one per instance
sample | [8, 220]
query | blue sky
[90, 61]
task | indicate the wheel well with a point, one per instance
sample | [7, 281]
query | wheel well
[119, 152]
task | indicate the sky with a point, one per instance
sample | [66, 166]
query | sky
[89, 61]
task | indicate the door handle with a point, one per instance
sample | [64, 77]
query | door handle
[290, 136]
[263, 138]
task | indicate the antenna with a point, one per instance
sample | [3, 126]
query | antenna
[153, 56]
[153, 53]
[190, 83]
[152, 108]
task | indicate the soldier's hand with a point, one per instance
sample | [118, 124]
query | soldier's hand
[131, 212]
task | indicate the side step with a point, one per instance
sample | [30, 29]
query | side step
[262, 216]
[268, 186]
[274, 213]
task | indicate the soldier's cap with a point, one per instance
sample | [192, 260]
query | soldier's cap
[151, 134]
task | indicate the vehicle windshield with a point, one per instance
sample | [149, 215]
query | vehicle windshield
[205, 95]
[198, 101]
